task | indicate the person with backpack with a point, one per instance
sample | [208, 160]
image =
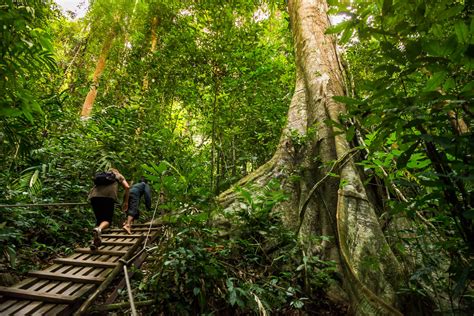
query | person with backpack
[102, 197]
[136, 192]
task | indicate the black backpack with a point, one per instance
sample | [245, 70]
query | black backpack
[104, 178]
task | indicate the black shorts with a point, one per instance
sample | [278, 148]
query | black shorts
[103, 208]
[133, 202]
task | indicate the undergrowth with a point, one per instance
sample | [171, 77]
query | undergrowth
[255, 265]
[32, 236]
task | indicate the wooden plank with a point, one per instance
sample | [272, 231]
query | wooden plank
[74, 294]
[85, 263]
[84, 290]
[143, 225]
[36, 296]
[73, 288]
[67, 270]
[53, 267]
[31, 307]
[38, 285]
[49, 286]
[119, 243]
[104, 273]
[15, 307]
[134, 229]
[25, 283]
[59, 310]
[62, 269]
[102, 252]
[61, 287]
[6, 304]
[80, 256]
[66, 277]
[44, 309]
[110, 277]
[121, 236]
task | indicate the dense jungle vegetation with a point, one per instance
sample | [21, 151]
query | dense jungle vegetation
[200, 98]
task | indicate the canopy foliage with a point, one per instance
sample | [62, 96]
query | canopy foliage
[194, 95]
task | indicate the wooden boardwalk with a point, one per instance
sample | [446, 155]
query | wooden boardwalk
[71, 283]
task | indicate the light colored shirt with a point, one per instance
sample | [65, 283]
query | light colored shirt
[109, 190]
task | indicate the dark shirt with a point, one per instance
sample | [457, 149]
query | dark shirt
[140, 189]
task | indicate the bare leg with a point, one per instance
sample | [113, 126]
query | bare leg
[128, 225]
[104, 225]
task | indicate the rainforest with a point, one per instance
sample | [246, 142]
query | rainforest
[304, 157]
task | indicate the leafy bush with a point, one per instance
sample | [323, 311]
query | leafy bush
[260, 267]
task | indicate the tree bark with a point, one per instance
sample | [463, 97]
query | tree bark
[154, 41]
[311, 148]
[99, 69]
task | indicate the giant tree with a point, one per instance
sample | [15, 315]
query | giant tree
[316, 166]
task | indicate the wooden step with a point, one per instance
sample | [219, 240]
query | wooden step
[118, 243]
[42, 296]
[143, 225]
[101, 252]
[66, 277]
[85, 263]
[120, 236]
[134, 229]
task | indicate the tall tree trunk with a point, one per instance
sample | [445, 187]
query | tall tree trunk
[320, 204]
[154, 41]
[213, 133]
[99, 69]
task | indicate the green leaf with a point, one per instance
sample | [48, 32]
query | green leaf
[232, 297]
[462, 32]
[446, 14]
[440, 48]
[339, 27]
[435, 81]
[468, 89]
[406, 155]
[297, 304]
[350, 133]
[230, 284]
[468, 214]
[437, 30]
[418, 161]
[346, 36]
[449, 84]
[390, 69]
[346, 100]
[471, 30]
[387, 7]
[11, 254]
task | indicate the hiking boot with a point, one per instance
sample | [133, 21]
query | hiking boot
[96, 241]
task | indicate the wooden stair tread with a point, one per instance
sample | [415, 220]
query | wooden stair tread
[121, 236]
[138, 229]
[85, 263]
[43, 296]
[118, 243]
[67, 277]
[101, 252]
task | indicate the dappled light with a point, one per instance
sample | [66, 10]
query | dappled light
[301, 157]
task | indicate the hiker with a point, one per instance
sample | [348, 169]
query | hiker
[136, 192]
[102, 198]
